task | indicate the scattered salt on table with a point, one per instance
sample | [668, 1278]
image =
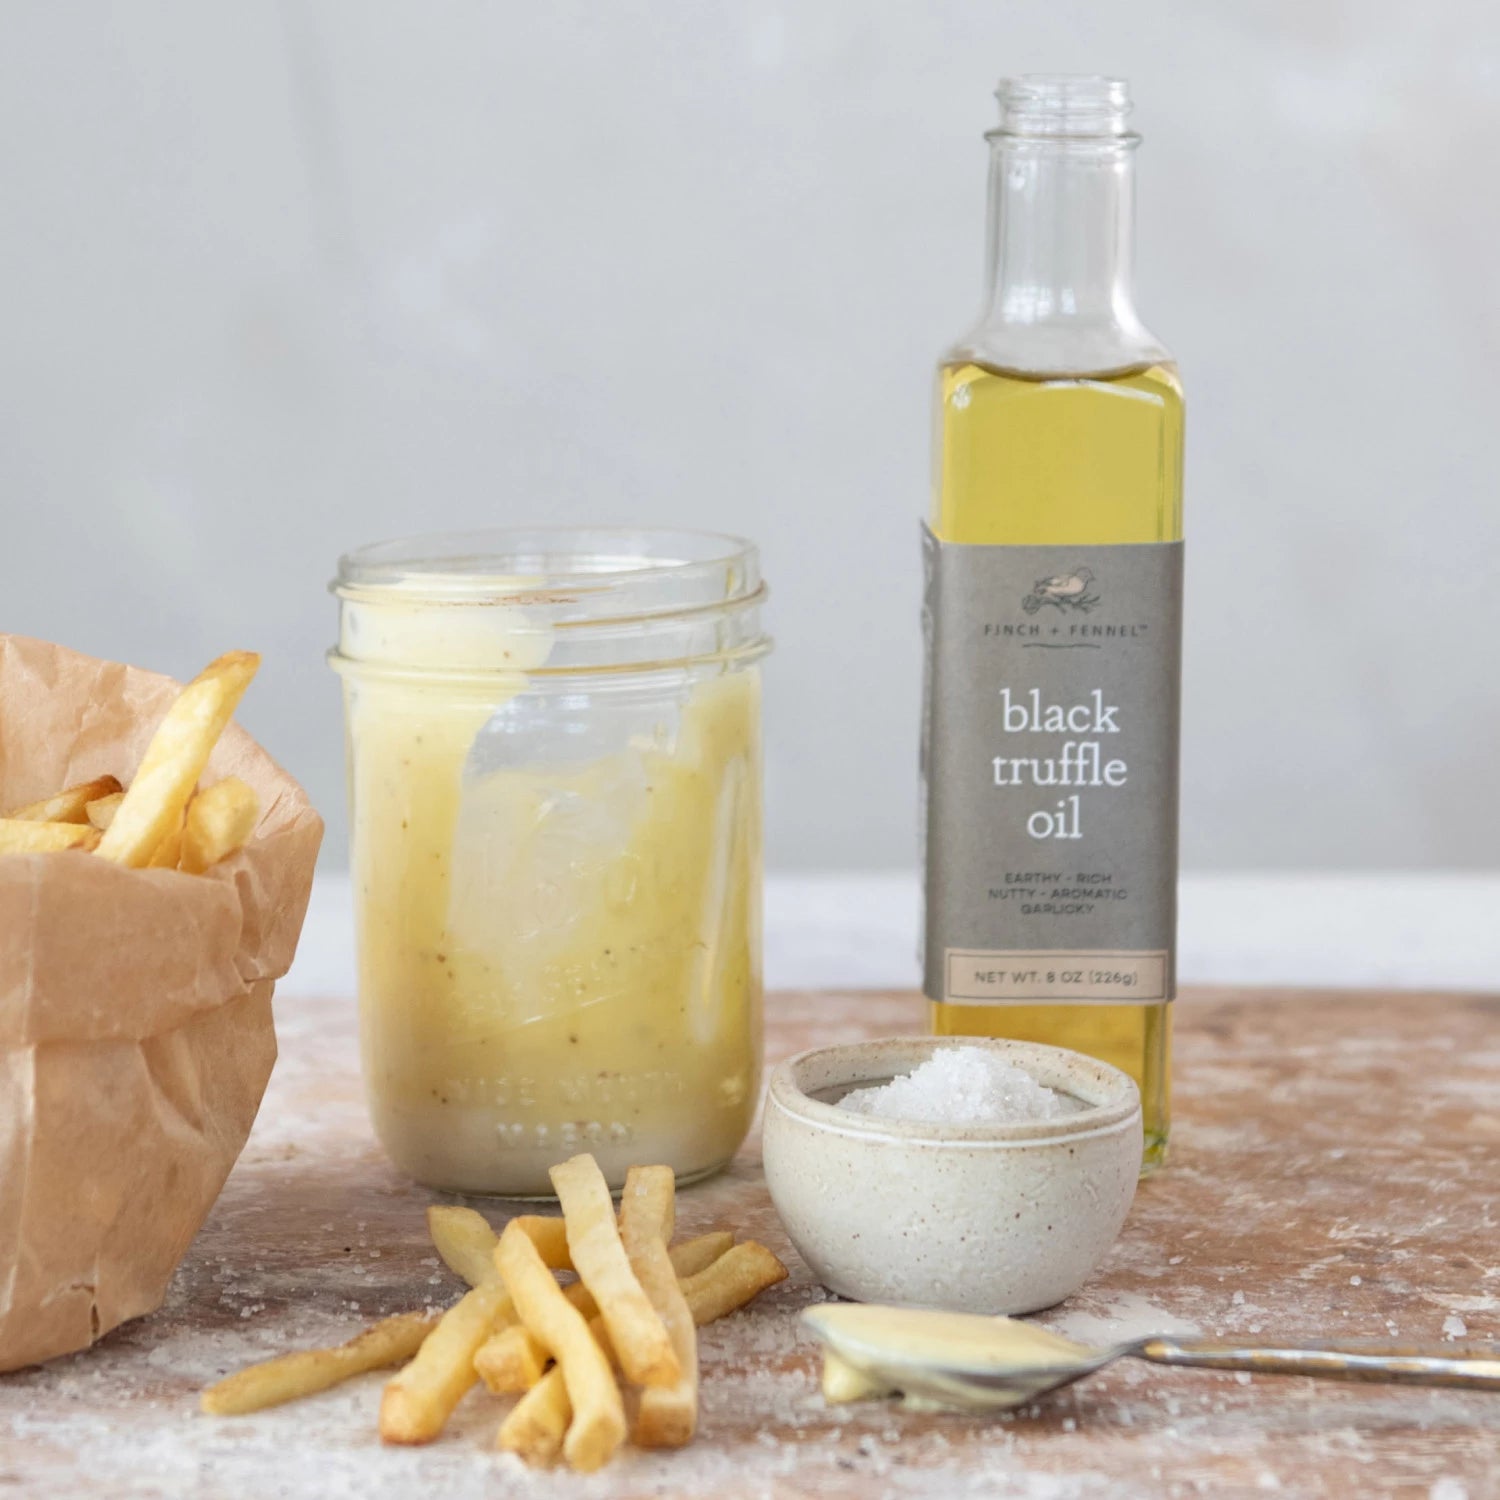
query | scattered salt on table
[961, 1086]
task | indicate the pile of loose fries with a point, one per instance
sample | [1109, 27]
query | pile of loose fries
[161, 821]
[636, 1304]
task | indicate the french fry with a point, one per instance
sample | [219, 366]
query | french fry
[640, 1338]
[392, 1341]
[419, 1399]
[597, 1426]
[517, 1310]
[220, 820]
[733, 1280]
[465, 1241]
[22, 836]
[668, 1415]
[537, 1424]
[69, 806]
[698, 1254]
[728, 1284]
[167, 853]
[648, 1205]
[418, 1402]
[513, 1360]
[536, 1427]
[688, 1258]
[101, 811]
[175, 758]
[550, 1236]
[467, 1244]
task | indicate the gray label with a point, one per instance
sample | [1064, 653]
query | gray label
[1049, 772]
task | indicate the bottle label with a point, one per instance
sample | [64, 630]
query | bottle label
[1049, 772]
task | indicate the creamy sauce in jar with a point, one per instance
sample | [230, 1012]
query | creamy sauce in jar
[559, 947]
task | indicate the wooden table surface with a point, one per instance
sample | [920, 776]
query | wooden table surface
[1335, 1173]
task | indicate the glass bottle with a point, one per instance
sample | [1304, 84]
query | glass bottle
[1053, 614]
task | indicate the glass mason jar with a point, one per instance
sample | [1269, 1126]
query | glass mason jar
[554, 781]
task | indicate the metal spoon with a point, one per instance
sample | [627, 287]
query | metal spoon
[980, 1364]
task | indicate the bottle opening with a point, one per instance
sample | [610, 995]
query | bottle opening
[549, 600]
[1063, 104]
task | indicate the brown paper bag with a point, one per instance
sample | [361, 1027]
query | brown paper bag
[135, 1009]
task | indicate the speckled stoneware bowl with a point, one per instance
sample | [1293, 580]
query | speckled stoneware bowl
[972, 1218]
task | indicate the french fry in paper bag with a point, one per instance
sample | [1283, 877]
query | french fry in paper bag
[135, 1009]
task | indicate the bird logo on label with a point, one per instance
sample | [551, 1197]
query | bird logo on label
[1064, 591]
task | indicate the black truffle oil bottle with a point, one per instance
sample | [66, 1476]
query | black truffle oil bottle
[1052, 617]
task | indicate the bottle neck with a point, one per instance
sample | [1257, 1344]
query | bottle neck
[1061, 225]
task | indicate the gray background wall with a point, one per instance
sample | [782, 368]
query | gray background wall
[281, 278]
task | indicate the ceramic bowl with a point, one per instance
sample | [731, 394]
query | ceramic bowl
[972, 1218]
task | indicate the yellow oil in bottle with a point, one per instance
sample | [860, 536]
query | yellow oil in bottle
[1083, 459]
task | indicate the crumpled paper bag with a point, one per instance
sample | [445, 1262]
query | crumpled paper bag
[135, 1009]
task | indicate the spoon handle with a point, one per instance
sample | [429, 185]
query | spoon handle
[1396, 1364]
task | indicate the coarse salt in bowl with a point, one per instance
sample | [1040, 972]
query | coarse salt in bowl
[961, 1085]
[962, 1173]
